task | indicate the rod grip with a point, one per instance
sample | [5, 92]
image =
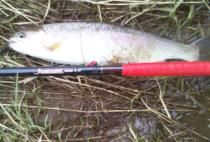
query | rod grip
[167, 69]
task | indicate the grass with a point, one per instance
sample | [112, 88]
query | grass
[106, 108]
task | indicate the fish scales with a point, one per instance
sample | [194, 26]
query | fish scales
[79, 43]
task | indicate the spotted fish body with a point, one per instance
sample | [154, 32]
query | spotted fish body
[81, 43]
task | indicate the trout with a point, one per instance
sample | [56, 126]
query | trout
[79, 43]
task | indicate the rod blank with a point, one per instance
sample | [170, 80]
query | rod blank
[45, 71]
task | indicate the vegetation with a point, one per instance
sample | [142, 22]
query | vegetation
[104, 108]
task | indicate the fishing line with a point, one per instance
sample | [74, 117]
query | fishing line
[80, 34]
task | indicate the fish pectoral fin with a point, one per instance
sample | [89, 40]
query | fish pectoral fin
[54, 46]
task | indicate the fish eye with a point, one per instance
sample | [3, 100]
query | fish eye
[20, 35]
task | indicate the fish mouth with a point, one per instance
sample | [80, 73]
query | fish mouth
[11, 42]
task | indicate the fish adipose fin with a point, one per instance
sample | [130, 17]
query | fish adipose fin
[204, 48]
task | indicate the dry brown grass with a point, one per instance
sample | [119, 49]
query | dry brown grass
[102, 108]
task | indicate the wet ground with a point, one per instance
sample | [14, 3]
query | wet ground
[78, 112]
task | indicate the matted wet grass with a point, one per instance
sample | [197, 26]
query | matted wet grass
[104, 108]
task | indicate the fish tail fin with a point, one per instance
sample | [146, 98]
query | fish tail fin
[204, 48]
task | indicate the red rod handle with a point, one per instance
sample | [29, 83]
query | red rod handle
[167, 69]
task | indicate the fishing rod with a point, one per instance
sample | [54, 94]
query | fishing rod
[130, 69]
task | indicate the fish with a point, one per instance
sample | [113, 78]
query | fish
[79, 43]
